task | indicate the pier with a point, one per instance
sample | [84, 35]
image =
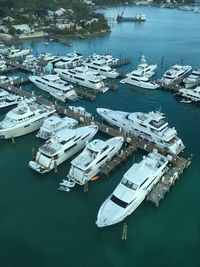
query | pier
[132, 144]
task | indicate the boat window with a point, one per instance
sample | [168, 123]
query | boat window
[102, 159]
[85, 136]
[129, 184]
[119, 202]
[143, 182]
[70, 147]
[157, 124]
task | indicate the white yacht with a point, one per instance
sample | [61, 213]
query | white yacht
[10, 101]
[193, 79]
[102, 68]
[94, 157]
[61, 146]
[27, 117]
[146, 69]
[49, 57]
[53, 124]
[138, 79]
[176, 73]
[136, 183]
[3, 94]
[108, 59]
[70, 61]
[150, 126]
[6, 79]
[82, 77]
[81, 111]
[188, 95]
[56, 87]
[13, 53]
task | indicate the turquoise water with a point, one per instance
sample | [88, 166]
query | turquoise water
[41, 226]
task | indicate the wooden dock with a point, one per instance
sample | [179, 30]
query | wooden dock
[177, 163]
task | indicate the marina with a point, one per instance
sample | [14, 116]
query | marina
[36, 217]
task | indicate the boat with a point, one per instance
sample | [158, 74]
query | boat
[9, 102]
[82, 77]
[93, 158]
[3, 94]
[102, 68]
[150, 126]
[27, 117]
[49, 57]
[14, 53]
[146, 69]
[188, 95]
[176, 73]
[61, 146]
[5, 79]
[53, 124]
[66, 185]
[108, 59]
[70, 61]
[137, 18]
[135, 185]
[138, 79]
[56, 87]
[81, 111]
[193, 79]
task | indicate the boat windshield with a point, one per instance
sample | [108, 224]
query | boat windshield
[129, 184]
[157, 124]
[119, 202]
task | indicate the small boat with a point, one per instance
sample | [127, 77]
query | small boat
[46, 43]
[66, 185]
[185, 101]
[95, 178]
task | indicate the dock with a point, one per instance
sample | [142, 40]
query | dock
[132, 143]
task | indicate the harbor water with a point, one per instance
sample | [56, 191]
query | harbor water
[41, 226]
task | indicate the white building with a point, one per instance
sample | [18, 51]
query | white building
[62, 26]
[23, 28]
[60, 11]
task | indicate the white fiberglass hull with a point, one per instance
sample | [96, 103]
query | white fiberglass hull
[82, 176]
[44, 164]
[110, 213]
[141, 84]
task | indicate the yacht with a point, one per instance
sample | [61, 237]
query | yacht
[27, 117]
[3, 94]
[108, 59]
[150, 126]
[193, 79]
[81, 111]
[188, 95]
[10, 101]
[70, 61]
[102, 68]
[94, 157]
[176, 73]
[53, 124]
[56, 87]
[49, 57]
[61, 146]
[82, 77]
[135, 185]
[138, 79]
[146, 69]
[13, 53]
[5, 79]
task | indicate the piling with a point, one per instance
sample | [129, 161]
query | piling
[33, 153]
[125, 231]
[86, 187]
[55, 166]
[13, 139]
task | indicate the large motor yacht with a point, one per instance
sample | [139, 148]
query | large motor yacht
[102, 68]
[56, 87]
[95, 155]
[108, 59]
[136, 183]
[70, 61]
[146, 69]
[13, 53]
[193, 79]
[53, 124]
[176, 73]
[61, 146]
[150, 126]
[9, 101]
[27, 117]
[138, 79]
[82, 77]
[188, 95]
